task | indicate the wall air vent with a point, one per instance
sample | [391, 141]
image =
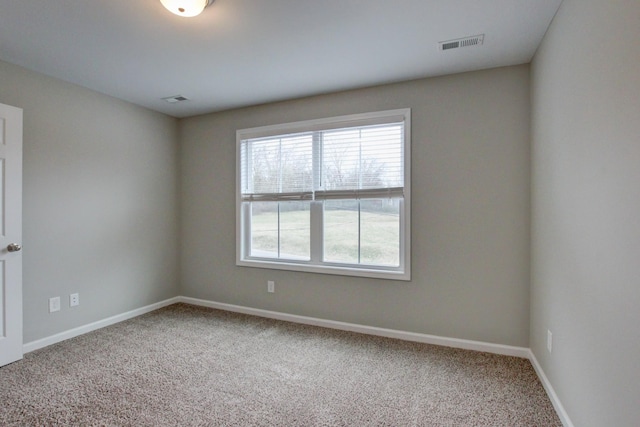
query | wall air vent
[465, 42]
[174, 99]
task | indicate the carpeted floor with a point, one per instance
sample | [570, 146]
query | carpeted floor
[192, 366]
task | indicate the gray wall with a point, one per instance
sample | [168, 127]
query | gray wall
[101, 208]
[470, 216]
[100, 202]
[586, 210]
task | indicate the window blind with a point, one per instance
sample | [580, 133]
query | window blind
[346, 163]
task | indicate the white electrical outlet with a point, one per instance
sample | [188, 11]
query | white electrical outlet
[74, 299]
[549, 341]
[271, 286]
[54, 304]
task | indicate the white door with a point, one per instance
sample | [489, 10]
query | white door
[10, 234]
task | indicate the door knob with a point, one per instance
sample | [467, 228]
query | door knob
[14, 247]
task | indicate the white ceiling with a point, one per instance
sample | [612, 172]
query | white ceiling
[246, 52]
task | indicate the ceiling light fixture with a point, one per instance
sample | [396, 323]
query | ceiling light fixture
[186, 8]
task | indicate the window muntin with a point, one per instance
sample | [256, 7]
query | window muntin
[328, 195]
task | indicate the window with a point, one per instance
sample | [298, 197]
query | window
[326, 196]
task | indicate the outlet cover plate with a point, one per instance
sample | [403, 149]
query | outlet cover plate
[54, 304]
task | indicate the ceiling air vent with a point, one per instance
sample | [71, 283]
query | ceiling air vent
[174, 99]
[465, 42]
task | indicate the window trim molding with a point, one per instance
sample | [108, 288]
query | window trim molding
[380, 117]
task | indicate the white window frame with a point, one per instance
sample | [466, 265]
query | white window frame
[315, 265]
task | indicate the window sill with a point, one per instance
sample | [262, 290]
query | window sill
[327, 269]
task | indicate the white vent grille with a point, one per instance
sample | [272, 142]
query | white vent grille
[174, 99]
[464, 42]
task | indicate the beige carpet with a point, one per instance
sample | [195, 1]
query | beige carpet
[191, 366]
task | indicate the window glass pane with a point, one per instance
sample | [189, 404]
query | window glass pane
[341, 231]
[295, 235]
[380, 232]
[362, 158]
[296, 165]
[341, 159]
[381, 164]
[264, 159]
[264, 229]
[278, 165]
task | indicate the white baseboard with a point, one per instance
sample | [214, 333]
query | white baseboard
[505, 350]
[562, 414]
[370, 330]
[53, 339]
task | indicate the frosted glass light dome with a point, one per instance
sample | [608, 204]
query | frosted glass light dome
[186, 8]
